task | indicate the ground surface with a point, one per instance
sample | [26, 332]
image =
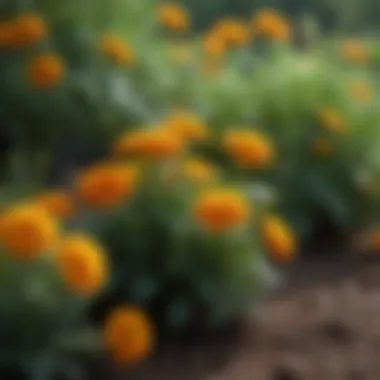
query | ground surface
[324, 325]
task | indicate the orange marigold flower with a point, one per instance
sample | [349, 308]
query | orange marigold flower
[161, 143]
[7, 34]
[332, 120]
[155, 143]
[24, 30]
[173, 16]
[214, 45]
[271, 24]
[278, 238]
[106, 185]
[248, 148]
[128, 335]
[200, 171]
[231, 32]
[221, 208]
[56, 203]
[187, 125]
[28, 230]
[361, 91]
[28, 28]
[129, 143]
[354, 51]
[117, 50]
[82, 264]
[322, 147]
[46, 70]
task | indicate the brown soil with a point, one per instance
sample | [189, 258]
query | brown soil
[325, 325]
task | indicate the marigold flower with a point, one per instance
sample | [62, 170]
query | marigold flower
[187, 125]
[154, 143]
[200, 171]
[354, 51]
[161, 143]
[129, 143]
[106, 185]
[29, 28]
[173, 16]
[221, 208]
[332, 120]
[214, 45]
[28, 230]
[322, 147]
[56, 203]
[271, 24]
[278, 238]
[231, 32]
[117, 50]
[128, 335]
[251, 149]
[46, 70]
[24, 30]
[361, 91]
[82, 264]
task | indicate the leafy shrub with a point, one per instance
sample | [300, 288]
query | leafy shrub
[183, 243]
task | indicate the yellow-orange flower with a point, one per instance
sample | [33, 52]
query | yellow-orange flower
[187, 125]
[271, 24]
[354, 51]
[161, 143]
[28, 230]
[154, 143]
[117, 50]
[46, 70]
[361, 91]
[200, 171]
[332, 120]
[231, 32]
[322, 147]
[214, 46]
[278, 239]
[106, 185]
[129, 143]
[221, 208]
[251, 149]
[24, 30]
[56, 203]
[173, 16]
[82, 264]
[128, 335]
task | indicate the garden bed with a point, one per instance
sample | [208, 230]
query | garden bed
[325, 324]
